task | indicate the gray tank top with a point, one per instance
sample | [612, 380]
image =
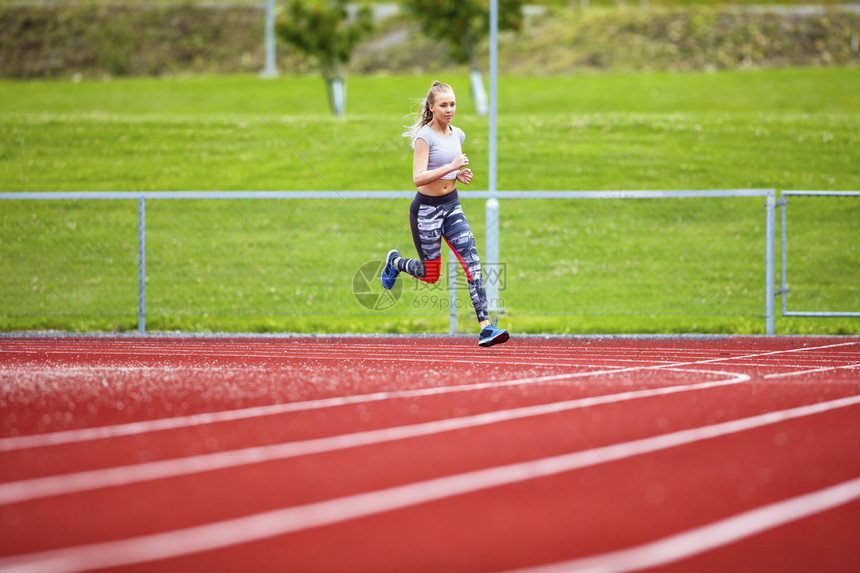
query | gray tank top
[443, 149]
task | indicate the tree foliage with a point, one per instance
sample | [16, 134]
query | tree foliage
[324, 31]
[464, 23]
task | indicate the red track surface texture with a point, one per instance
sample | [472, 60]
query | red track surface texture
[374, 454]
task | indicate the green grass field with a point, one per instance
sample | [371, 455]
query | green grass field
[676, 266]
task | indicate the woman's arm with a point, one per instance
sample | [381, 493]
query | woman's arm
[420, 175]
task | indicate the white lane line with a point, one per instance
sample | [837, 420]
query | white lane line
[808, 365]
[711, 536]
[281, 357]
[524, 359]
[278, 351]
[268, 524]
[134, 428]
[232, 350]
[296, 361]
[26, 490]
[813, 371]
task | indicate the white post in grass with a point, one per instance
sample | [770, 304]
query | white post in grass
[491, 216]
[478, 92]
[270, 71]
[337, 87]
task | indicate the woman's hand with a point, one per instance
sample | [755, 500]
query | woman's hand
[465, 176]
[459, 161]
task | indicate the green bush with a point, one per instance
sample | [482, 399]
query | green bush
[160, 39]
[129, 40]
[564, 41]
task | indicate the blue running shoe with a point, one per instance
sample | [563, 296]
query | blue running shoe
[390, 272]
[492, 334]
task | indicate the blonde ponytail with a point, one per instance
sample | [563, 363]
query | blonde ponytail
[424, 115]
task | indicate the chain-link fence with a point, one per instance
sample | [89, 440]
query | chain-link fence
[638, 262]
[820, 253]
[68, 264]
[310, 262]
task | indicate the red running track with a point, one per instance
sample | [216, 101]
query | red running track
[429, 454]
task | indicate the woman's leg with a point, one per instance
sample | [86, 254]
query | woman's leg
[425, 222]
[458, 234]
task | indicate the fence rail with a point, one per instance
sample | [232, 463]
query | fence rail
[492, 214]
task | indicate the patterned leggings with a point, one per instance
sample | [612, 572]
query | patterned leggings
[433, 219]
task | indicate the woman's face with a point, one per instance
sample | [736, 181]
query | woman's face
[444, 107]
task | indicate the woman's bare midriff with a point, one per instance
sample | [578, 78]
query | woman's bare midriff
[438, 188]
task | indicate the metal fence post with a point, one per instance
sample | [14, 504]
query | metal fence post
[491, 221]
[452, 292]
[141, 264]
[492, 254]
[770, 262]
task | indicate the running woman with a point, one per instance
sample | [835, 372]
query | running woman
[436, 214]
